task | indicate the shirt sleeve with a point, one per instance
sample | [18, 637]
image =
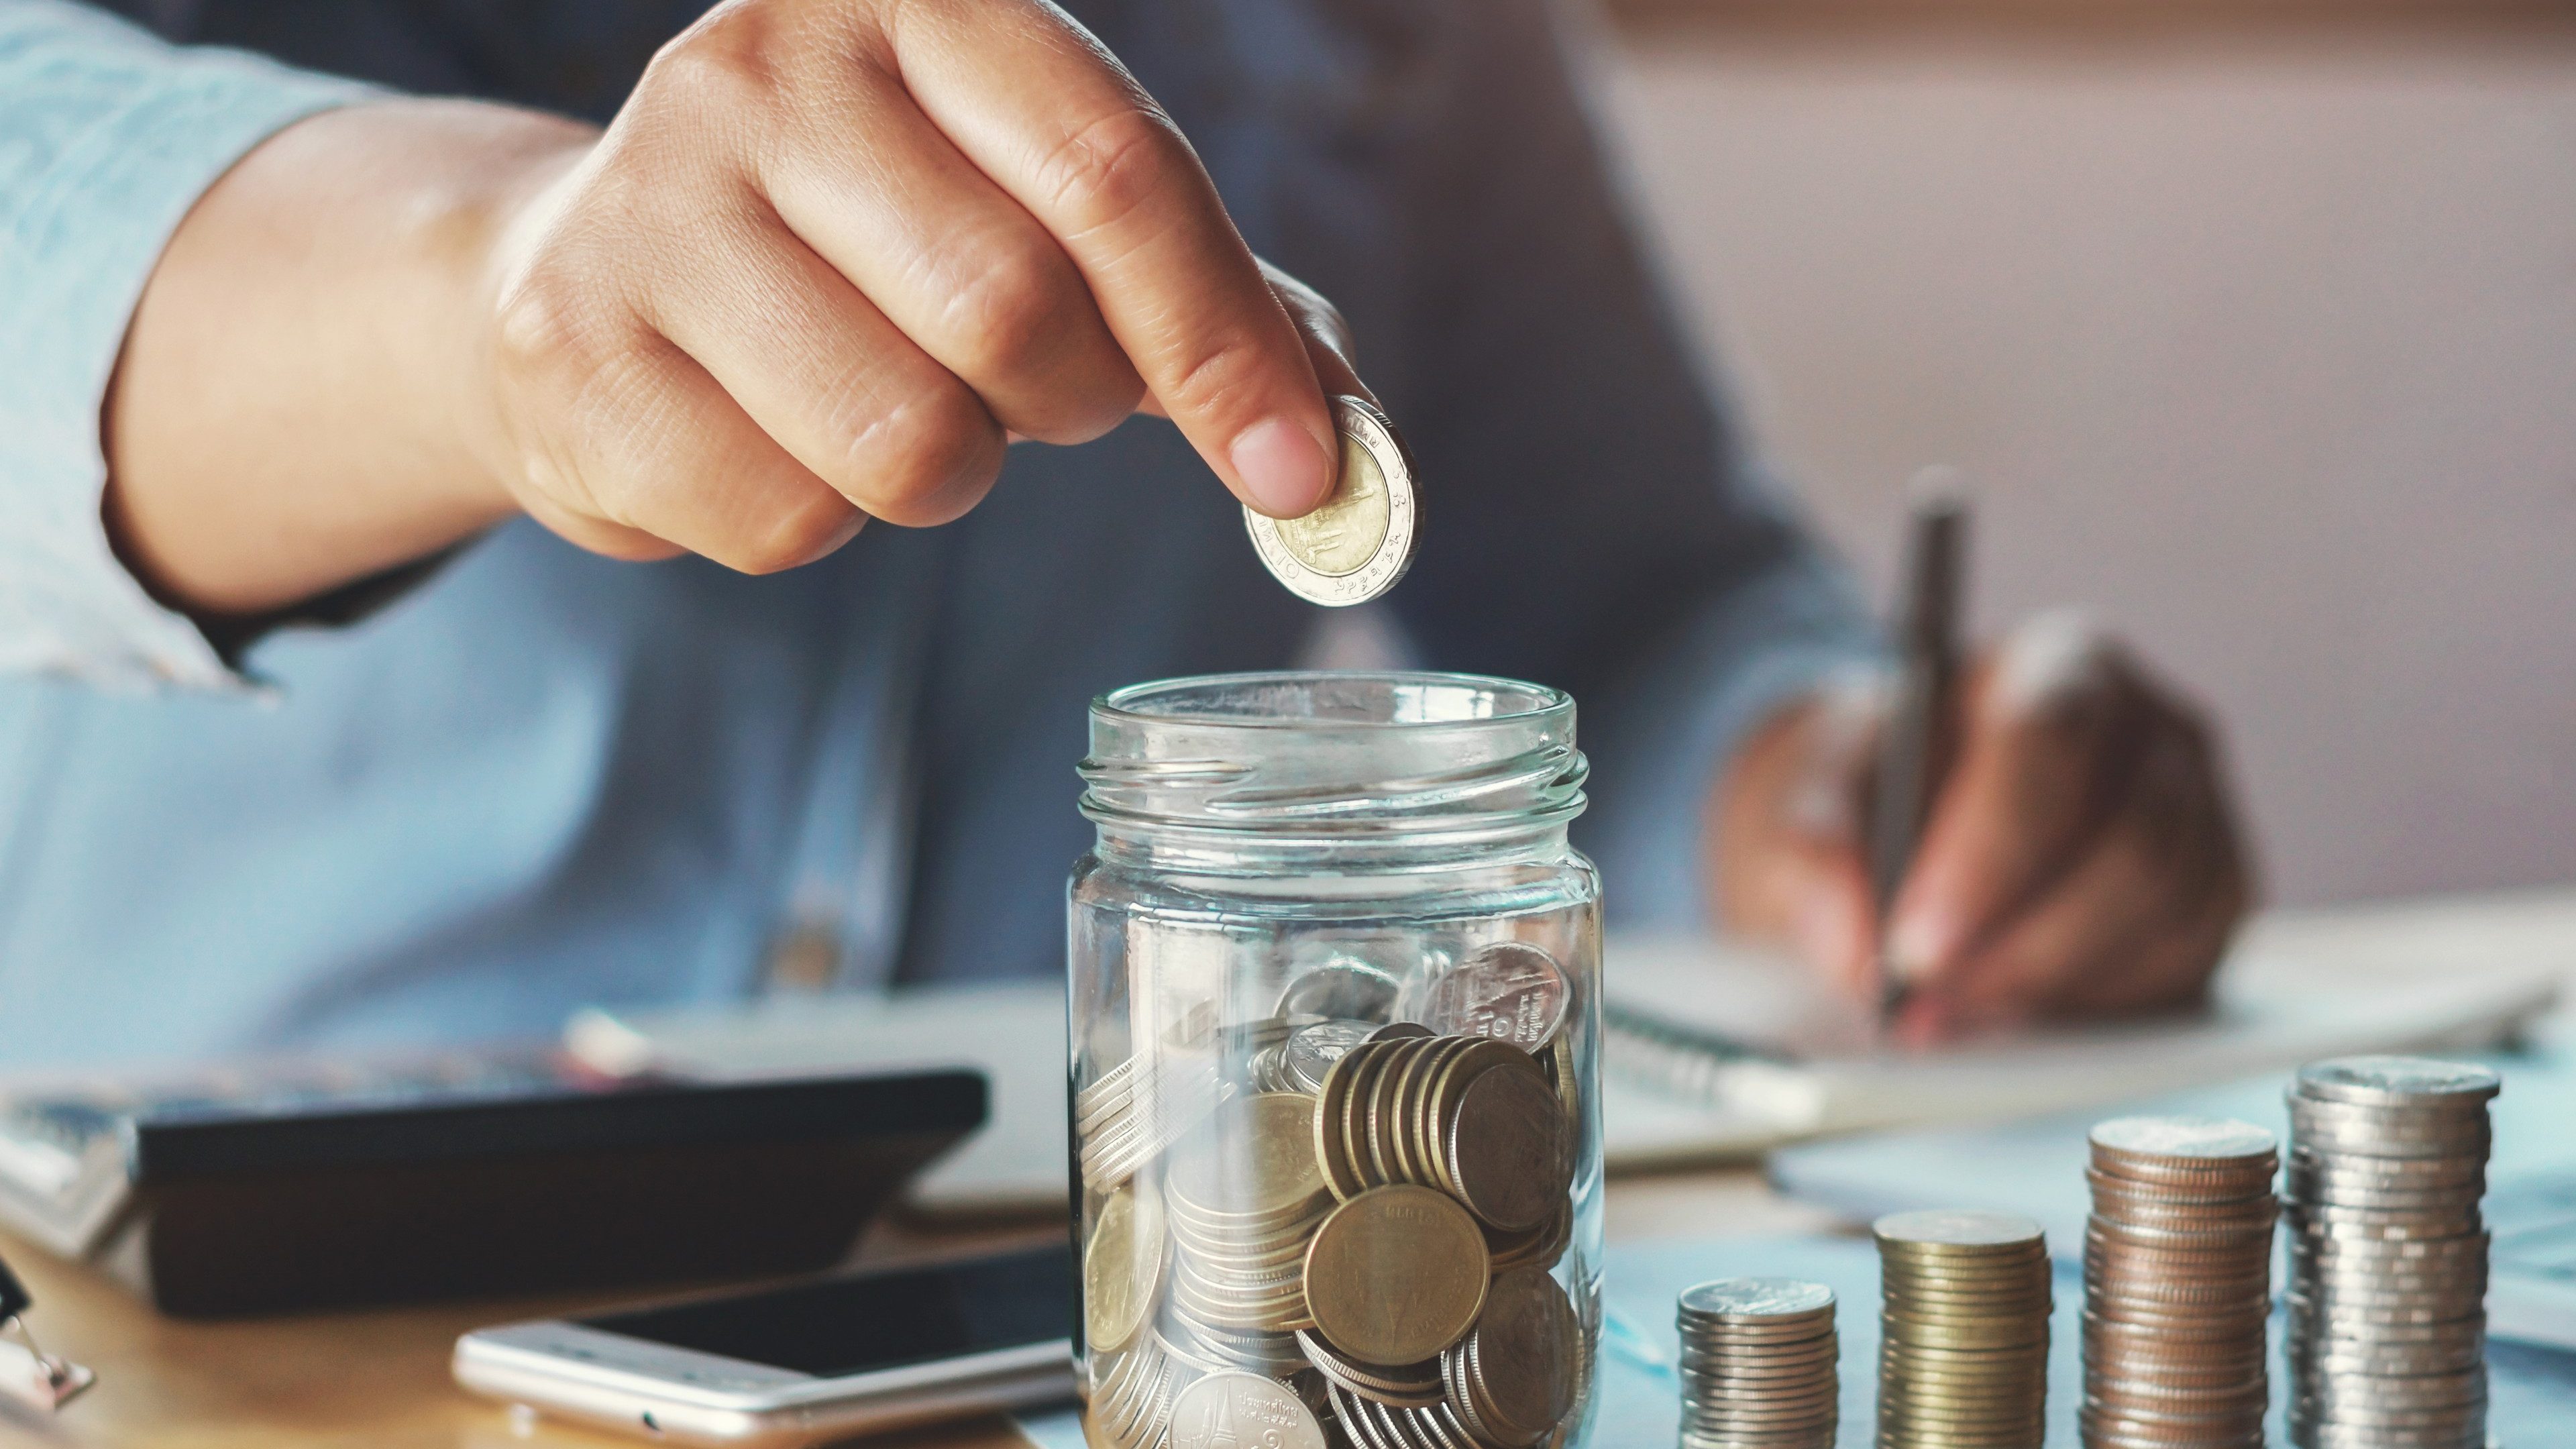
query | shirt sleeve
[1612, 534]
[107, 137]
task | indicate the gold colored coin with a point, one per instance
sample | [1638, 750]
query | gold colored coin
[1360, 541]
[1257, 1158]
[1122, 1267]
[1343, 535]
[1396, 1274]
[1519, 1358]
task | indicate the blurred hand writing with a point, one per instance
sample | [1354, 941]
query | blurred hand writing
[2082, 857]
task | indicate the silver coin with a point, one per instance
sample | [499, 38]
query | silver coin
[2396, 1081]
[1227, 1409]
[1360, 541]
[1312, 1050]
[1757, 1298]
[1510, 991]
[2218, 1139]
[1344, 988]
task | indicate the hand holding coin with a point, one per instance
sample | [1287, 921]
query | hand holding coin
[1358, 543]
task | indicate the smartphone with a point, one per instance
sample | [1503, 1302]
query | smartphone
[810, 1361]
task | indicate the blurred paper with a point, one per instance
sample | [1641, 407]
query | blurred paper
[1819, 1078]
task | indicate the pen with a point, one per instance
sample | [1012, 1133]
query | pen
[1914, 753]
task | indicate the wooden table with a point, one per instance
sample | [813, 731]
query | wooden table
[380, 1380]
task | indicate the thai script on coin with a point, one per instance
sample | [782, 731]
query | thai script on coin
[1510, 991]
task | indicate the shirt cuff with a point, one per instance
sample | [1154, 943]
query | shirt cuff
[1675, 729]
[107, 138]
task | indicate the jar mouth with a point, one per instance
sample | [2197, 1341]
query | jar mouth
[1287, 699]
[1334, 754]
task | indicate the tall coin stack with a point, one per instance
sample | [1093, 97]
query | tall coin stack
[2388, 1253]
[1328, 1226]
[2178, 1283]
[1963, 1331]
[1757, 1365]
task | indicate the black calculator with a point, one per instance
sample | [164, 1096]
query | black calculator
[342, 1182]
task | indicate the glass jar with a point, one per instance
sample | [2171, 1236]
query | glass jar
[1335, 1024]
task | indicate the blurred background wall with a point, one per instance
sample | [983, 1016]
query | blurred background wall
[2259, 339]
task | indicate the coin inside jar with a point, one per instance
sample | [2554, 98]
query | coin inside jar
[1510, 991]
[1510, 1153]
[1122, 1267]
[1343, 987]
[1357, 544]
[1227, 1410]
[1513, 1375]
[1396, 1274]
[1256, 1158]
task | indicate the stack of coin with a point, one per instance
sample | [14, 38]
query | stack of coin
[1758, 1365]
[1139, 1108]
[2388, 1253]
[1509, 1383]
[2178, 1283]
[1244, 1196]
[1963, 1330]
[1132, 1397]
[1472, 1116]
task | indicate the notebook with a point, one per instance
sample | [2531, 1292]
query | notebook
[1715, 1050]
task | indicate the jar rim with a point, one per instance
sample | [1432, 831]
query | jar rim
[1416, 699]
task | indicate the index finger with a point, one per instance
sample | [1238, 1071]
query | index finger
[1053, 118]
[2035, 778]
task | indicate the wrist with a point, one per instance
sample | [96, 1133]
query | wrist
[519, 164]
[302, 397]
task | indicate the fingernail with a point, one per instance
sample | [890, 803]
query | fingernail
[1914, 943]
[1282, 466]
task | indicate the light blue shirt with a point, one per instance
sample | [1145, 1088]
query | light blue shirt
[542, 778]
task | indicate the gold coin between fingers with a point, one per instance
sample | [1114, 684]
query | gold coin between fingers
[1359, 542]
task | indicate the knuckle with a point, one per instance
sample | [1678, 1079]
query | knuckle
[925, 461]
[1108, 168]
[1009, 313]
[728, 56]
[1225, 368]
[544, 319]
[797, 535]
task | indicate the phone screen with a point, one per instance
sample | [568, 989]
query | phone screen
[842, 1326]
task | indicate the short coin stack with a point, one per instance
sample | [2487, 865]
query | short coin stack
[1963, 1330]
[2388, 1253]
[1757, 1365]
[2178, 1283]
